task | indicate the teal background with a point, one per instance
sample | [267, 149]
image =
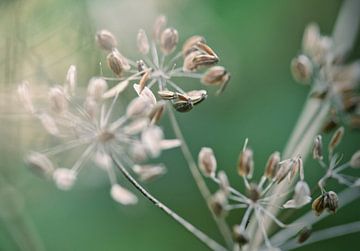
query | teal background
[255, 40]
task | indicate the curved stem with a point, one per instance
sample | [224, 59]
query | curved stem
[196, 232]
[204, 190]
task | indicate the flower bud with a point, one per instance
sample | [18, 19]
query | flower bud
[301, 196]
[168, 41]
[137, 107]
[216, 75]
[224, 182]
[206, 49]
[197, 96]
[96, 88]
[336, 139]
[117, 63]
[311, 38]
[317, 148]
[189, 65]
[245, 165]
[302, 69]
[106, 40]
[355, 160]
[218, 203]
[204, 60]
[318, 205]
[49, 124]
[190, 43]
[272, 165]
[70, 83]
[39, 163]
[167, 95]
[207, 161]
[159, 26]
[143, 42]
[58, 100]
[151, 139]
[64, 178]
[122, 195]
[183, 106]
[149, 172]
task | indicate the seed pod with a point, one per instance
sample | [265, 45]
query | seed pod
[58, 100]
[189, 65]
[304, 234]
[317, 148]
[168, 41]
[302, 69]
[25, 97]
[106, 40]
[190, 44]
[283, 170]
[142, 83]
[318, 205]
[240, 236]
[137, 107]
[197, 96]
[96, 88]
[272, 165]
[64, 178]
[336, 139]
[167, 95]
[40, 163]
[157, 112]
[331, 201]
[218, 203]
[117, 63]
[183, 106]
[311, 38]
[216, 75]
[143, 42]
[245, 165]
[207, 161]
[355, 160]
[204, 60]
[122, 195]
[206, 49]
[159, 26]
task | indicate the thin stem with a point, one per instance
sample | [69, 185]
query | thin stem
[196, 232]
[204, 190]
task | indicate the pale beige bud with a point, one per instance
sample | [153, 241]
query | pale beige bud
[119, 88]
[106, 40]
[189, 65]
[143, 42]
[136, 126]
[40, 163]
[311, 39]
[218, 203]
[168, 41]
[117, 63]
[302, 69]
[91, 107]
[318, 148]
[58, 100]
[245, 165]
[216, 75]
[283, 170]
[137, 107]
[207, 161]
[149, 172]
[25, 97]
[64, 178]
[70, 83]
[159, 26]
[122, 195]
[190, 44]
[272, 165]
[145, 93]
[167, 95]
[151, 138]
[49, 124]
[197, 96]
[336, 139]
[103, 160]
[355, 160]
[96, 88]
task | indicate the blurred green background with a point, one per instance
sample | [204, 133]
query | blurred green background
[255, 40]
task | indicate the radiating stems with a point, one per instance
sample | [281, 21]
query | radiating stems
[196, 232]
[199, 180]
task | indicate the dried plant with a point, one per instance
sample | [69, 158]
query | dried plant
[88, 122]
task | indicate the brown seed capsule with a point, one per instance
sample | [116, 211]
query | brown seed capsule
[318, 205]
[283, 170]
[190, 43]
[204, 60]
[157, 112]
[355, 160]
[245, 165]
[143, 42]
[143, 80]
[317, 148]
[272, 165]
[216, 75]
[302, 69]
[331, 201]
[159, 26]
[336, 139]
[183, 106]
[304, 234]
[218, 203]
[167, 95]
[189, 64]
[239, 235]
[206, 49]
[207, 161]
[197, 96]
[117, 63]
[168, 41]
[106, 40]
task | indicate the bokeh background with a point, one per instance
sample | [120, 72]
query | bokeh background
[255, 40]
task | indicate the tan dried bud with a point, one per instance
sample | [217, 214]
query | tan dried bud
[355, 160]
[218, 203]
[216, 75]
[142, 83]
[106, 40]
[149, 172]
[304, 234]
[70, 83]
[183, 106]
[167, 95]
[58, 100]
[331, 201]
[168, 41]
[318, 205]
[206, 49]
[159, 26]
[311, 39]
[137, 107]
[117, 63]
[143, 42]
[96, 88]
[245, 165]
[122, 195]
[40, 163]
[240, 236]
[157, 112]
[205, 60]
[253, 192]
[318, 148]
[336, 139]
[25, 97]
[190, 44]
[189, 65]
[197, 96]
[302, 69]
[207, 161]
[272, 165]
[283, 170]
[64, 178]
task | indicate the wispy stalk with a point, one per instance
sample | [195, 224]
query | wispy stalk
[213, 245]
